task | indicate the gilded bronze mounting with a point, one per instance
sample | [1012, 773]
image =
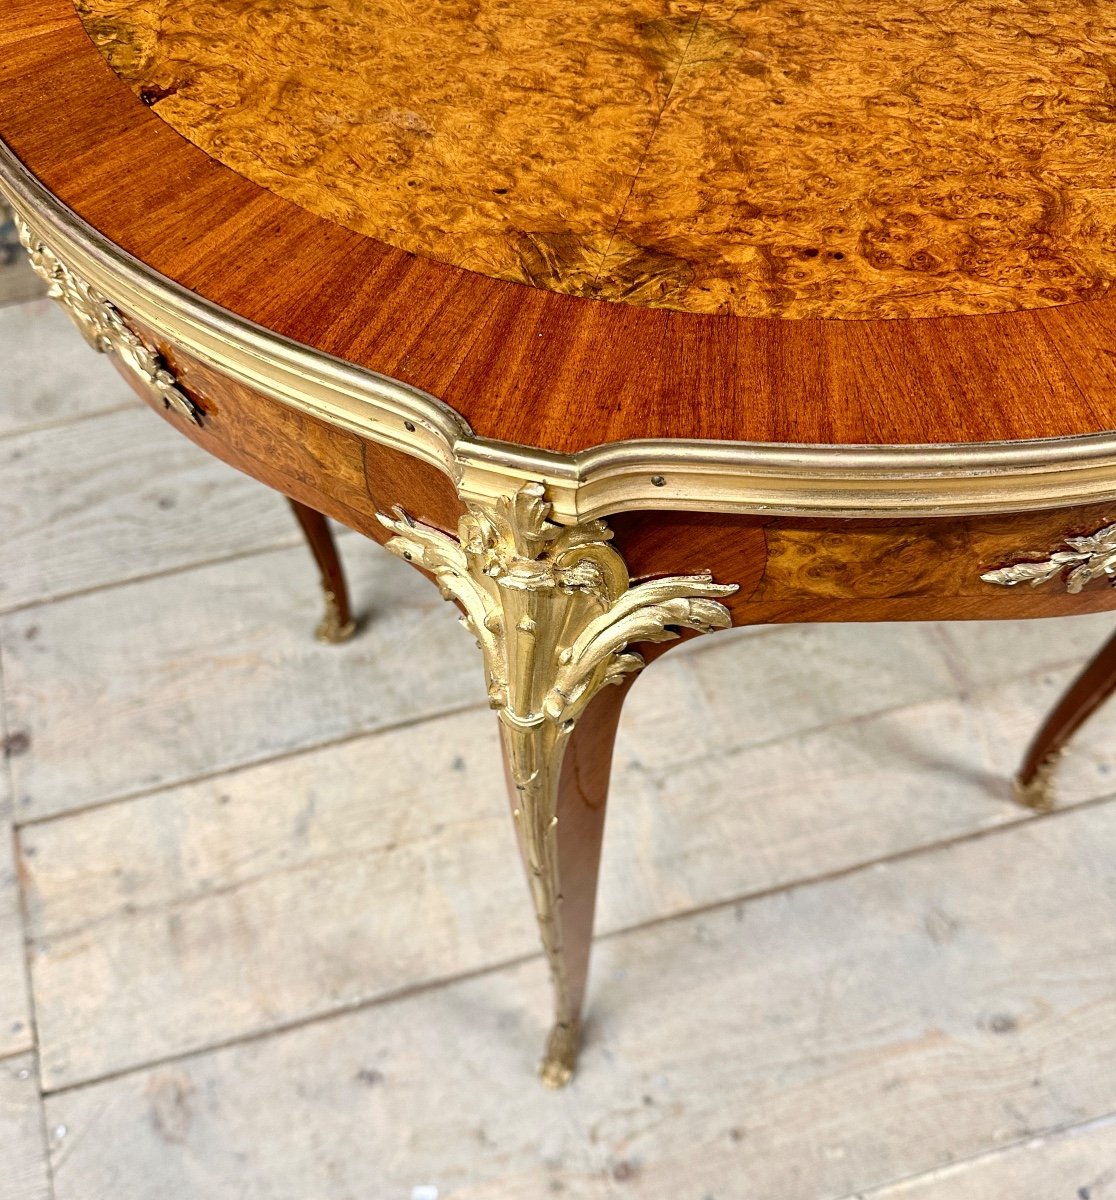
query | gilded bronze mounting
[103, 327]
[331, 629]
[1038, 792]
[554, 612]
[1087, 558]
[702, 475]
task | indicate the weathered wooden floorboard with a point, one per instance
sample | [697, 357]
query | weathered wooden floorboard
[122, 496]
[284, 892]
[18, 283]
[190, 917]
[214, 667]
[1078, 1164]
[803, 1045]
[23, 1155]
[15, 1022]
[274, 894]
[49, 373]
[806, 1045]
[160, 681]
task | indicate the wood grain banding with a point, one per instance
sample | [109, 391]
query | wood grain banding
[787, 569]
[522, 364]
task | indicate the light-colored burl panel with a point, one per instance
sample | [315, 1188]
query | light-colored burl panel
[902, 159]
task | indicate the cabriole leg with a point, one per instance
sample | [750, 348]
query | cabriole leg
[559, 789]
[337, 623]
[1078, 703]
[554, 612]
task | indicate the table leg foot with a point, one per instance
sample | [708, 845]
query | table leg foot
[560, 1059]
[337, 624]
[1092, 687]
[558, 787]
[333, 628]
[1036, 792]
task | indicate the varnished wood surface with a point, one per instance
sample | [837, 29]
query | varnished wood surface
[793, 569]
[1084, 696]
[332, 470]
[337, 624]
[786, 569]
[902, 160]
[520, 363]
[580, 808]
[166, 927]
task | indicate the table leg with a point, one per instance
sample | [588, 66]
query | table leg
[555, 615]
[337, 624]
[558, 786]
[1082, 698]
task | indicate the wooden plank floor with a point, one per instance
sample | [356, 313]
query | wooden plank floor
[17, 280]
[263, 934]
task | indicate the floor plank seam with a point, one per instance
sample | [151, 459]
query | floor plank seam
[343, 535]
[963, 695]
[1025, 819]
[239, 768]
[29, 990]
[355, 735]
[8, 782]
[186, 901]
[287, 543]
[44, 1127]
[284, 1027]
[878, 1191]
[25, 925]
[442, 982]
[33, 1072]
[74, 419]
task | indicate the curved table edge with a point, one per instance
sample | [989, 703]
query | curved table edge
[652, 474]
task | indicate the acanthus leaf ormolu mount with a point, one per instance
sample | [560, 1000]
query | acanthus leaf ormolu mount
[554, 613]
[103, 327]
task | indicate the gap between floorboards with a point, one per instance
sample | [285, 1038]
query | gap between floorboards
[347, 1009]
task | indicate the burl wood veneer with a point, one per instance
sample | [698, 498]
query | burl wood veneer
[895, 160]
[554, 371]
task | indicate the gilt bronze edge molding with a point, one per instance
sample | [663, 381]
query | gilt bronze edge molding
[664, 474]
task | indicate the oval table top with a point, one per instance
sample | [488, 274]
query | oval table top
[584, 223]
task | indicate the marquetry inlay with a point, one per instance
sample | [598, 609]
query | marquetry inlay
[903, 158]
